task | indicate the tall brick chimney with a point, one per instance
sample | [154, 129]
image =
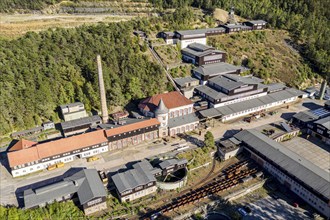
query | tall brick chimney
[105, 116]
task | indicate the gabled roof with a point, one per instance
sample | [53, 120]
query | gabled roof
[64, 145]
[172, 162]
[257, 22]
[22, 144]
[86, 183]
[80, 122]
[182, 120]
[52, 148]
[70, 105]
[171, 100]
[130, 179]
[132, 127]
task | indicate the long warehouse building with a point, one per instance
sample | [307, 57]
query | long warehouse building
[309, 181]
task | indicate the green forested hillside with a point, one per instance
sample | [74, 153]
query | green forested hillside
[41, 71]
[307, 20]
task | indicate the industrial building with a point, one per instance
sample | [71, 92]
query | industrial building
[73, 111]
[84, 186]
[173, 111]
[137, 182]
[141, 180]
[200, 54]
[81, 125]
[187, 85]
[206, 72]
[256, 24]
[307, 180]
[228, 148]
[320, 129]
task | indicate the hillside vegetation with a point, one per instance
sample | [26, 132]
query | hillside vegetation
[267, 54]
[41, 71]
[308, 21]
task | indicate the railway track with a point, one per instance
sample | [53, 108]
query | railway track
[228, 179]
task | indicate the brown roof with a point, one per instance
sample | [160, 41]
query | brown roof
[63, 145]
[171, 100]
[22, 144]
[132, 127]
[22, 156]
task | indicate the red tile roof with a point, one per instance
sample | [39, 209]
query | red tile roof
[22, 144]
[64, 145]
[23, 156]
[132, 127]
[171, 100]
[52, 148]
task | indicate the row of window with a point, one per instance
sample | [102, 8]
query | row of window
[180, 112]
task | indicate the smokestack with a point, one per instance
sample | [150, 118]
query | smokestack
[105, 116]
[323, 88]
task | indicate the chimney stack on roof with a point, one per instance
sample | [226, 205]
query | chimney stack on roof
[105, 116]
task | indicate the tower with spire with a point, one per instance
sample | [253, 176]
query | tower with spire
[161, 113]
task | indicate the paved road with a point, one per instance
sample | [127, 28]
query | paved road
[269, 208]
[112, 160]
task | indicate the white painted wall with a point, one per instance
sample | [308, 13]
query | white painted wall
[249, 111]
[238, 100]
[40, 166]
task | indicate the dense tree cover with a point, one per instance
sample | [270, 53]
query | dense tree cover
[307, 20]
[8, 5]
[63, 210]
[40, 71]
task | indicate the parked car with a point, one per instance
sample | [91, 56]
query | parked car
[242, 211]
[296, 205]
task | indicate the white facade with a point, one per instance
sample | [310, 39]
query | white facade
[184, 43]
[253, 110]
[138, 194]
[180, 111]
[229, 154]
[298, 189]
[183, 128]
[33, 167]
[238, 100]
[171, 41]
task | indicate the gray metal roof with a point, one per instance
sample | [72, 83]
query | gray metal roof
[36, 129]
[275, 86]
[325, 122]
[252, 103]
[196, 53]
[141, 174]
[182, 120]
[86, 183]
[293, 163]
[244, 79]
[80, 122]
[199, 47]
[210, 92]
[216, 69]
[305, 116]
[182, 81]
[226, 83]
[172, 162]
[161, 108]
[199, 31]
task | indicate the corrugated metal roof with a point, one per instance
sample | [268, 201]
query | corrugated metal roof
[199, 31]
[252, 103]
[142, 174]
[166, 163]
[214, 94]
[294, 164]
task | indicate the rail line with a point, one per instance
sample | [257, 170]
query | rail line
[224, 181]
